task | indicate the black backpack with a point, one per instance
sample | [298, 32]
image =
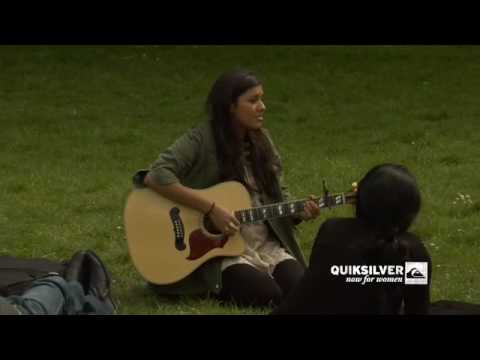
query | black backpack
[17, 274]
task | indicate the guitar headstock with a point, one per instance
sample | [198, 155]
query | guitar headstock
[342, 198]
[351, 197]
[329, 200]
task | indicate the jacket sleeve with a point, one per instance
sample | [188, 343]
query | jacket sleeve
[177, 160]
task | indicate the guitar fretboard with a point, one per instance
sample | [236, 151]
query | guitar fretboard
[290, 208]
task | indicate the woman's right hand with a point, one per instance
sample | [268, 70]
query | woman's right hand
[224, 221]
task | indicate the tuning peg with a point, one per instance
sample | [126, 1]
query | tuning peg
[355, 186]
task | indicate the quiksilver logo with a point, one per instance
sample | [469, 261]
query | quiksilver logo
[412, 273]
[416, 273]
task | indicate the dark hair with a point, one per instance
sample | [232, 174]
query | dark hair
[225, 91]
[388, 201]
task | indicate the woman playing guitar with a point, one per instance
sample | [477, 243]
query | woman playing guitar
[234, 145]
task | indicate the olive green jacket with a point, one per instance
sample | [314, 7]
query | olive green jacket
[192, 161]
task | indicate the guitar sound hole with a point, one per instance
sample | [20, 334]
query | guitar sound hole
[208, 224]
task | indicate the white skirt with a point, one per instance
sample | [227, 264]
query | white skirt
[262, 251]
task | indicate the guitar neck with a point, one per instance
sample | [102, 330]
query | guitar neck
[290, 208]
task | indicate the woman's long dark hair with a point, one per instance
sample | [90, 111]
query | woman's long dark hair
[388, 201]
[225, 91]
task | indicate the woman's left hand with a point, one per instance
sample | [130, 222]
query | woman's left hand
[311, 210]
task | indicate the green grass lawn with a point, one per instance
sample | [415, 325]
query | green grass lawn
[78, 121]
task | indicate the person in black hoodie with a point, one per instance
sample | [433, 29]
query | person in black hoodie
[388, 201]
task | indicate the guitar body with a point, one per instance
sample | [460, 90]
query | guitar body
[168, 241]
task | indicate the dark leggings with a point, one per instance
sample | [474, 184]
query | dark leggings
[246, 286]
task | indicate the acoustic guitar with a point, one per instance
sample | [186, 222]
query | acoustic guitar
[168, 241]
